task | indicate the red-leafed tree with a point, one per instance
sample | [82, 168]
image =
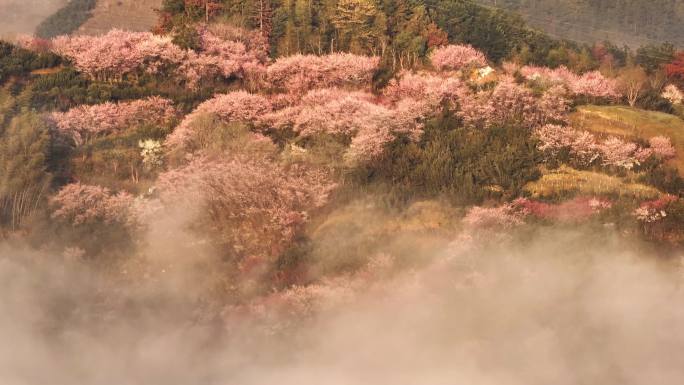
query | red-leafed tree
[675, 69]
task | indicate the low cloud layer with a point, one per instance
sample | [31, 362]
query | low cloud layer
[562, 307]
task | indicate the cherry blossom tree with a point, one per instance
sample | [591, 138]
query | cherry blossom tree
[673, 94]
[80, 204]
[300, 73]
[429, 93]
[553, 106]
[254, 204]
[580, 144]
[237, 106]
[512, 102]
[618, 153]
[595, 85]
[662, 147]
[353, 116]
[503, 217]
[85, 122]
[456, 57]
[591, 84]
[120, 54]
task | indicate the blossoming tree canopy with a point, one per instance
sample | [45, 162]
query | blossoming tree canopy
[85, 121]
[457, 57]
[256, 204]
[300, 73]
[119, 54]
[238, 106]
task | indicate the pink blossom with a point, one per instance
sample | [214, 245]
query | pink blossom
[81, 204]
[616, 152]
[237, 106]
[655, 210]
[662, 147]
[353, 116]
[255, 204]
[456, 57]
[502, 217]
[594, 84]
[510, 102]
[119, 54]
[591, 84]
[581, 144]
[84, 122]
[300, 73]
[577, 209]
[430, 93]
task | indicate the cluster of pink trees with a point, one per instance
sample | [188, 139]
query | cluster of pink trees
[456, 57]
[238, 106]
[591, 84]
[227, 58]
[512, 214]
[613, 151]
[255, 204]
[80, 204]
[84, 122]
[511, 101]
[508, 101]
[119, 54]
[353, 116]
[555, 138]
[300, 73]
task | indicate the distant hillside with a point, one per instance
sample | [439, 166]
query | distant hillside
[22, 16]
[133, 15]
[67, 19]
[631, 22]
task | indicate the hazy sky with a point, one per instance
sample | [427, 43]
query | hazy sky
[22, 16]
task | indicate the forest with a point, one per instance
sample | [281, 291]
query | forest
[310, 191]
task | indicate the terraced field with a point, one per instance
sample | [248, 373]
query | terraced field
[632, 122]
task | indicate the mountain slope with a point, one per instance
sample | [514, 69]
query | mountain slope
[133, 15]
[631, 22]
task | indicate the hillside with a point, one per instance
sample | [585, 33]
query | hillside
[631, 122]
[22, 16]
[343, 192]
[632, 22]
[131, 15]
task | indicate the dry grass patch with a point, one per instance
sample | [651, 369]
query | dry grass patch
[566, 181]
[632, 122]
